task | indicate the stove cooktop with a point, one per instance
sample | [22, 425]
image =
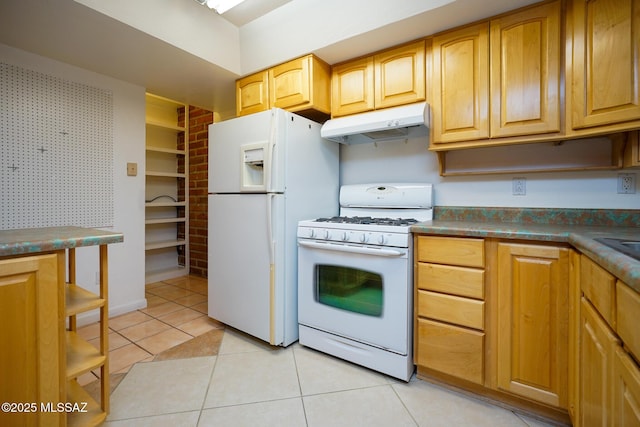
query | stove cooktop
[367, 220]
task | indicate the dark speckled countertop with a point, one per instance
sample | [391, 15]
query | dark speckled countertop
[577, 227]
[48, 239]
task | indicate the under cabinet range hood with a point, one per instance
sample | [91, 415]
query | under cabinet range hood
[381, 125]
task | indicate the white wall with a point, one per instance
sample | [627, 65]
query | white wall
[183, 23]
[411, 161]
[126, 260]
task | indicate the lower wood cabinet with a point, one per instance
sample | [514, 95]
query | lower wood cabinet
[608, 342]
[597, 348]
[450, 349]
[533, 324]
[450, 307]
[492, 317]
[626, 390]
[31, 363]
[532, 328]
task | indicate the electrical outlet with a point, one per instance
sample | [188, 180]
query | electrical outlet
[519, 186]
[626, 183]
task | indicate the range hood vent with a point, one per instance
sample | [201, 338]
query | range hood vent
[381, 125]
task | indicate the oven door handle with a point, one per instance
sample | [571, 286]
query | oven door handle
[364, 250]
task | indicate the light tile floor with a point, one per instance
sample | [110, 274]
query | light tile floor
[248, 383]
[176, 312]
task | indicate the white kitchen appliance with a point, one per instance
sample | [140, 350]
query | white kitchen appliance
[387, 124]
[267, 171]
[355, 276]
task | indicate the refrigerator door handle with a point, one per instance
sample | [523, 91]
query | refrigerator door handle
[272, 273]
[270, 155]
[270, 198]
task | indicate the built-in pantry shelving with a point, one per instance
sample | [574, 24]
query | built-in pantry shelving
[167, 189]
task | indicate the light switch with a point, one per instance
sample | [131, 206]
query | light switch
[132, 169]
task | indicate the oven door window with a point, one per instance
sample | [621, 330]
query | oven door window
[350, 289]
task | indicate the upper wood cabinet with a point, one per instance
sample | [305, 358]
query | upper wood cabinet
[252, 93]
[525, 72]
[387, 79]
[460, 98]
[498, 79]
[352, 87]
[532, 323]
[399, 75]
[301, 85]
[606, 59]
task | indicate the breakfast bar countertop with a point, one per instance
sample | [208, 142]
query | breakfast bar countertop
[48, 239]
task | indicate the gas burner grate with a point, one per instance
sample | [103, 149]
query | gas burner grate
[400, 222]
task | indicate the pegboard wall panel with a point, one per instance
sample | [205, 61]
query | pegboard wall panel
[56, 151]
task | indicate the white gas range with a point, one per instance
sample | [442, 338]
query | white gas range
[355, 276]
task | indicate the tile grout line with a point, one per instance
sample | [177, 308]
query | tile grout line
[304, 408]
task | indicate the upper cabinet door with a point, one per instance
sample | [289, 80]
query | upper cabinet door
[606, 55]
[461, 85]
[525, 72]
[301, 85]
[352, 87]
[290, 83]
[252, 94]
[400, 75]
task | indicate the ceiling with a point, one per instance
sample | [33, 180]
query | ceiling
[250, 10]
[257, 34]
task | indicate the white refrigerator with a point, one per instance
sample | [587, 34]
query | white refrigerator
[267, 171]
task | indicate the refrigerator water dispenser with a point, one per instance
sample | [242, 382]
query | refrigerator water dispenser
[254, 157]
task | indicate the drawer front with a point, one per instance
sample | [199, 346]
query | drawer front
[465, 252]
[451, 350]
[627, 315]
[598, 286]
[461, 281]
[451, 309]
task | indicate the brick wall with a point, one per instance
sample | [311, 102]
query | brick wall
[199, 121]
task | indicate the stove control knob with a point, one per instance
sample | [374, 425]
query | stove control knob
[326, 235]
[363, 238]
[344, 236]
[381, 239]
[312, 233]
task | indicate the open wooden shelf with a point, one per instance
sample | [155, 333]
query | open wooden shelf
[79, 300]
[164, 204]
[82, 357]
[94, 415]
[164, 220]
[164, 244]
[165, 150]
[166, 174]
